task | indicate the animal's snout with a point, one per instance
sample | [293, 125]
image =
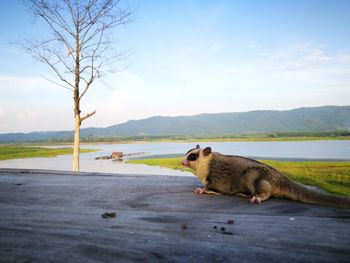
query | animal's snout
[185, 163]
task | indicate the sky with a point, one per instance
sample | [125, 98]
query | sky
[185, 58]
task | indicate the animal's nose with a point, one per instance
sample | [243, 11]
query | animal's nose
[185, 163]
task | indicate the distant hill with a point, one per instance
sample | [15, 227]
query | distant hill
[316, 119]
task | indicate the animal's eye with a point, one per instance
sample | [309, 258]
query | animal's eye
[192, 157]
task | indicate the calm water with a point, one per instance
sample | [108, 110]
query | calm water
[320, 150]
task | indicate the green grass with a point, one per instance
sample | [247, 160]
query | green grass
[14, 152]
[172, 163]
[333, 177]
[251, 137]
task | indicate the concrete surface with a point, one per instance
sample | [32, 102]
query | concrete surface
[48, 216]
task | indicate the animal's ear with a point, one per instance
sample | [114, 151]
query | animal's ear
[207, 151]
[197, 147]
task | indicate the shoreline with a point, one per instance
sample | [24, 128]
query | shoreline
[12, 152]
[261, 158]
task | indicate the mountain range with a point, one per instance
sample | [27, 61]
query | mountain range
[314, 119]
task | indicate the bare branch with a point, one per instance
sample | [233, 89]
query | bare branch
[87, 116]
[61, 60]
[40, 54]
[51, 14]
[88, 84]
[70, 8]
[65, 24]
[87, 11]
[56, 71]
[58, 84]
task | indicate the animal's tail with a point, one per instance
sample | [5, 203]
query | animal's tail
[298, 192]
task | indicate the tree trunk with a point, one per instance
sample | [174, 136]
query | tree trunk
[76, 143]
[77, 120]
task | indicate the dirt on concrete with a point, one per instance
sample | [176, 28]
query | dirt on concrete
[52, 216]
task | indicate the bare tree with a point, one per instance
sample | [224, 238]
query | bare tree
[79, 51]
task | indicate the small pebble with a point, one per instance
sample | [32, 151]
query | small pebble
[230, 221]
[109, 215]
[227, 233]
[223, 229]
[184, 227]
[215, 227]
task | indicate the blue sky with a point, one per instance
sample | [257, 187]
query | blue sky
[188, 57]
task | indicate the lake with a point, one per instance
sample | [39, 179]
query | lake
[303, 150]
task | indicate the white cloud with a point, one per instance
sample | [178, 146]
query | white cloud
[129, 97]
[289, 77]
[24, 89]
[251, 45]
[26, 116]
[33, 104]
[233, 72]
[307, 59]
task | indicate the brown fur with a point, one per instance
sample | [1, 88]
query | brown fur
[236, 175]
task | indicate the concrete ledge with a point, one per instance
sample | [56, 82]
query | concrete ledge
[57, 218]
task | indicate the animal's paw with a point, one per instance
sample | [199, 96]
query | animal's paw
[255, 200]
[198, 191]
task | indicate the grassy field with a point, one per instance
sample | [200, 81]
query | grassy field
[251, 137]
[333, 177]
[13, 152]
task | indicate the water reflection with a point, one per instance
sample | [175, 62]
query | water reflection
[88, 164]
